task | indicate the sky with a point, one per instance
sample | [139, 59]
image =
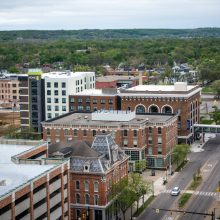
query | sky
[107, 14]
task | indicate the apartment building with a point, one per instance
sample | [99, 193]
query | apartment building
[93, 170]
[94, 99]
[32, 99]
[32, 187]
[58, 87]
[9, 90]
[141, 136]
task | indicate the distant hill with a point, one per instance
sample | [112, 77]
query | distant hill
[89, 34]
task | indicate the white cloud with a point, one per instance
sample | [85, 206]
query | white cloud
[79, 14]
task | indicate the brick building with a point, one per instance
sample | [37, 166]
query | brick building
[9, 91]
[142, 136]
[31, 187]
[94, 99]
[93, 170]
[180, 99]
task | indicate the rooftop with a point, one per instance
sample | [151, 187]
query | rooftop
[80, 118]
[114, 78]
[65, 74]
[97, 92]
[15, 175]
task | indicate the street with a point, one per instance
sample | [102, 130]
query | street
[199, 203]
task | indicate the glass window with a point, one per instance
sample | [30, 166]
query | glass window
[72, 108]
[87, 108]
[56, 85]
[79, 100]
[93, 133]
[150, 151]
[159, 140]
[87, 100]
[80, 107]
[86, 186]
[48, 92]
[63, 85]
[48, 84]
[150, 140]
[56, 92]
[135, 143]
[49, 107]
[72, 100]
[66, 131]
[56, 100]
[159, 150]
[64, 108]
[150, 130]
[125, 143]
[75, 132]
[77, 198]
[135, 133]
[49, 115]
[96, 186]
[77, 184]
[159, 130]
[48, 131]
[125, 133]
[56, 114]
[84, 133]
[57, 132]
[56, 108]
[94, 101]
[96, 200]
[63, 92]
[63, 100]
[87, 199]
[110, 101]
[48, 100]
[102, 101]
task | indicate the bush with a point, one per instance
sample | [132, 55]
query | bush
[196, 182]
[184, 199]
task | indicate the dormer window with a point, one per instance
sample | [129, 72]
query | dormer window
[86, 167]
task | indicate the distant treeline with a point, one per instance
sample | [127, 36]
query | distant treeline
[89, 34]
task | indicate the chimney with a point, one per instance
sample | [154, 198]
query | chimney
[140, 78]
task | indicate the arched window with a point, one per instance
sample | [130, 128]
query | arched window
[96, 199]
[77, 198]
[77, 184]
[153, 109]
[87, 199]
[140, 109]
[167, 110]
[96, 186]
[86, 186]
[159, 130]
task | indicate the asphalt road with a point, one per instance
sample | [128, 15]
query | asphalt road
[197, 160]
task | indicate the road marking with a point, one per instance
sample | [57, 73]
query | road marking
[197, 193]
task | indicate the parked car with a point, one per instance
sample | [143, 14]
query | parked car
[175, 191]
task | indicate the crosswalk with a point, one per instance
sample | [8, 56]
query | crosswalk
[198, 193]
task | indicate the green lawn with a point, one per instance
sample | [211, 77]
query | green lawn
[208, 89]
[184, 199]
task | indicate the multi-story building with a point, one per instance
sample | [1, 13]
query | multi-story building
[9, 90]
[93, 170]
[58, 87]
[32, 111]
[94, 99]
[180, 99]
[32, 187]
[142, 136]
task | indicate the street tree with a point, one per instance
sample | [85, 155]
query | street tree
[215, 115]
[216, 87]
[180, 153]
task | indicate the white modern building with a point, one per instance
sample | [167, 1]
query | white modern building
[58, 87]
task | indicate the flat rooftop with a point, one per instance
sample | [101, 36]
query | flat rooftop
[111, 78]
[95, 92]
[16, 175]
[79, 118]
[64, 75]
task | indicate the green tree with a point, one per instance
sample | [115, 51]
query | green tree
[180, 153]
[140, 165]
[216, 87]
[215, 115]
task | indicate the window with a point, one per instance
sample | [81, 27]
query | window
[125, 133]
[77, 184]
[49, 115]
[66, 131]
[63, 92]
[72, 100]
[72, 108]
[87, 100]
[77, 198]
[87, 199]
[150, 151]
[125, 143]
[159, 130]
[150, 140]
[63, 85]
[93, 133]
[84, 133]
[80, 107]
[49, 107]
[94, 101]
[86, 186]
[56, 114]
[87, 108]
[81, 81]
[135, 133]
[48, 100]
[110, 101]
[57, 132]
[64, 108]
[56, 108]
[96, 186]
[79, 100]
[48, 131]
[159, 150]
[102, 101]
[56, 92]
[150, 130]
[75, 132]
[159, 140]
[56, 100]
[56, 85]
[48, 84]
[135, 143]
[96, 200]
[63, 100]
[48, 92]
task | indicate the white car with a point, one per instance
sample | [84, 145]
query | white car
[175, 191]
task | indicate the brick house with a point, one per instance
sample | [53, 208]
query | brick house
[142, 136]
[93, 169]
